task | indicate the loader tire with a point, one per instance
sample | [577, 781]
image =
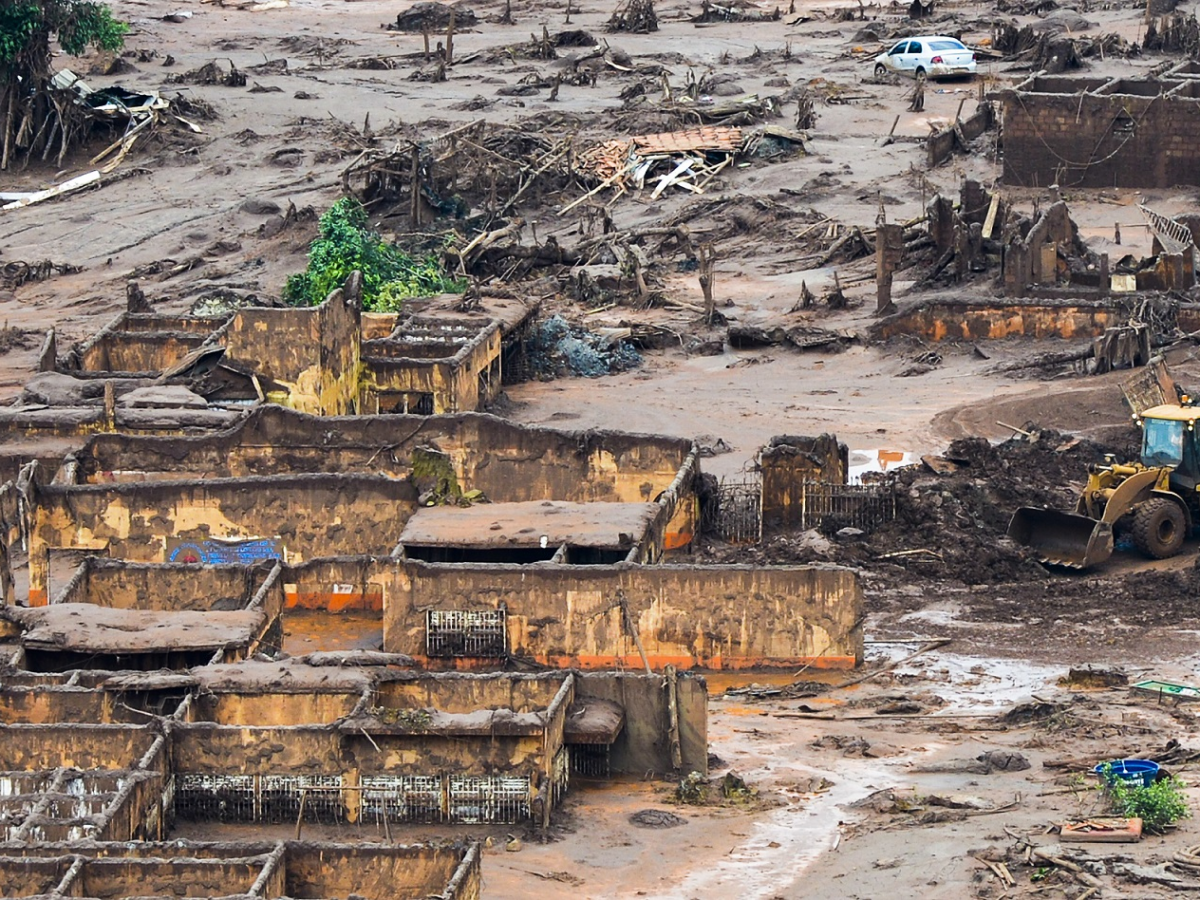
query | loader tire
[1158, 528]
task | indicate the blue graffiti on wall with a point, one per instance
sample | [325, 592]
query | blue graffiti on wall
[214, 553]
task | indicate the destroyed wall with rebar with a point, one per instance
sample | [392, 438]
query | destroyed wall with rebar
[432, 368]
[1137, 133]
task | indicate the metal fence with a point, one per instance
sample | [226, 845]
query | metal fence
[736, 514]
[501, 799]
[829, 507]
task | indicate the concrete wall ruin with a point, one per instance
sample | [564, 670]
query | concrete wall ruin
[295, 869]
[789, 461]
[312, 352]
[707, 617]
[433, 367]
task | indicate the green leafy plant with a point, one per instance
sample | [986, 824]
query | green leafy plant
[1159, 805]
[346, 244]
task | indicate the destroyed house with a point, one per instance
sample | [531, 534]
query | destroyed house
[472, 541]
[271, 871]
[330, 359]
[118, 615]
[1103, 132]
[313, 740]
[431, 366]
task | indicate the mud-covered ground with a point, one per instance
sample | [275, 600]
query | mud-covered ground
[200, 216]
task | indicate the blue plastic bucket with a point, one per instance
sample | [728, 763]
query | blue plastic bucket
[1131, 771]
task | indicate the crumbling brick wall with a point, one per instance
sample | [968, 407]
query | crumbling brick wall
[1082, 139]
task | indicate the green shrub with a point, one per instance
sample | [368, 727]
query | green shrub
[390, 276]
[1159, 805]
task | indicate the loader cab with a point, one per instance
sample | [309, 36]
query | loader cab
[1162, 442]
[1169, 440]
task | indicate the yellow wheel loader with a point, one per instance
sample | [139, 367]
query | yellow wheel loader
[1154, 501]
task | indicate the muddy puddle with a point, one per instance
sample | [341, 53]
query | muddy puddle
[782, 844]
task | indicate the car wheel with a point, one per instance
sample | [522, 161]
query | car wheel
[880, 70]
[920, 73]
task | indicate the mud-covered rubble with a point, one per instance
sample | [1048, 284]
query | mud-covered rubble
[952, 526]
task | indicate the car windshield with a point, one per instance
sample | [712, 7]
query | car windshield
[946, 45]
[1162, 442]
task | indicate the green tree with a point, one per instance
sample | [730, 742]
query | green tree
[33, 119]
[347, 244]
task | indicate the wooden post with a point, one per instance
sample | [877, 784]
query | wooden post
[110, 406]
[300, 815]
[673, 711]
[889, 247]
[450, 40]
[707, 259]
[425, 34]
[415, 209]
[629, 623]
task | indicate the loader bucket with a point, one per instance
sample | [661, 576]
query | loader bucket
[1063, 539]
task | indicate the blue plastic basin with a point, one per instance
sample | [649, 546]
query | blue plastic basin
[1131, 771]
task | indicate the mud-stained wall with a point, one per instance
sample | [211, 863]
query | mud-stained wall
[118, 584]
[205, 748]
[313, 352]
[122, 351]
[309, 514]
[644, 744]
[374, 873]
[45, 705]
[507, 461]
[32, 877]
[981, 322]
[1113, 139]
[346, 584]
[47, 747]
[710, 617]
[271, 708]
[184, 869]
[462, 692]
[112, 878]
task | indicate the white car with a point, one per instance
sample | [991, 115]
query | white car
[928, 55]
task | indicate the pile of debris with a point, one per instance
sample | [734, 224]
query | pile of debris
[485, 168]
[952, 512]
[1174, 34]
[685, 159]
[735, 11]
[555, 348]
[428, 16]
[1052, 51]
[634, 16]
